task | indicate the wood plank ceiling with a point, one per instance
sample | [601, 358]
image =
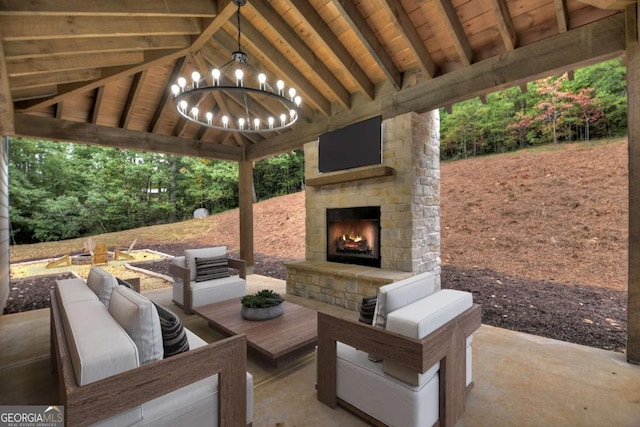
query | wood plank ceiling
[99, 71]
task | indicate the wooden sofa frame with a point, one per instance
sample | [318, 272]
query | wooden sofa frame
[90, 403]
[446, 345]
[185, 275]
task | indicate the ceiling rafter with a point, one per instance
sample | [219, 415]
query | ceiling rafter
[165, 99]
[370, 41]
[42, 48]
[55, 27]
[291, 39]
[277, 61]
[505, 24]
[402, 23]
[314, 21]
[460, 40]
[110, 8]
[97, 105]
[53, 78]
[562, 15]
[24, 67]
[132, 97]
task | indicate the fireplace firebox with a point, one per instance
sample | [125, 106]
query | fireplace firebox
[353, 235]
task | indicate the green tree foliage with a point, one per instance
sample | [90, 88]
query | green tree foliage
[557, 109]
[279, 175]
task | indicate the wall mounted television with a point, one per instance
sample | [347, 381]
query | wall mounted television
[356, 145]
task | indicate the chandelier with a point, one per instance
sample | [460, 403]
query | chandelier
[240, 98]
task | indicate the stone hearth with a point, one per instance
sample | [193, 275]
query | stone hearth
[407, 189]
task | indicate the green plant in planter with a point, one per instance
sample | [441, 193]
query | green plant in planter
[262, 299]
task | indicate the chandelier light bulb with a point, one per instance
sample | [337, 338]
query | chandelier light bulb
[283, 119]
[183, 105]
[239, 76]
[241, 123]
[292, 114]
[194, 112]
[280, 85]
[256, 123]
[292, 93]
[298, 100]
[271, 120]
[262, 79]
[215, 73]
[209, 117]
[225, 121]
[175, 89]
[182, 82]
[195, 76]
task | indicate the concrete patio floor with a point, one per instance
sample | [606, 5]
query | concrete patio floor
[520, 379]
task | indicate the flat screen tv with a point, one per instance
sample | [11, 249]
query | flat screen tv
[356, 145]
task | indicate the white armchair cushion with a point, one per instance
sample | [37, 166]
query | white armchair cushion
[102, 283]
[420, 319]
[396, 295]
[191, 254]
[138, 316]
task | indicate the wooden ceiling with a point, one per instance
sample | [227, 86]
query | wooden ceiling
[99, 72]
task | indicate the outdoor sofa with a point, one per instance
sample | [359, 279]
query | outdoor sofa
[109, 349]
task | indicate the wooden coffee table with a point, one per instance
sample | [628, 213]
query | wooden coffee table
[292, 333]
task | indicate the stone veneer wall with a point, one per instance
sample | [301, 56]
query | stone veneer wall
[409, 203]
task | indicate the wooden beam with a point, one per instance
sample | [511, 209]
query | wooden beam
[132, 97]
[311, 19]
[86, 133]
[6, 101]
[166, 100]
[54, 27]
[59, 110]
[28, 93]
[42, 48]
[97, 105]
[562, 15]
[109, 8]
[633, 135]
[31, 66]
[293, 42]
[547, 57]
[505, 24]
[460, 41]
[363, 31]
[245, 192]
[609, 4]
[53, 78]
[403, 24]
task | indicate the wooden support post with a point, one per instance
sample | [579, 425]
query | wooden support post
[633, 120]
[246, 212]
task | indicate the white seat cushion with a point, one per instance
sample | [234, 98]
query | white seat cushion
[398, 294]
[209, 292]
[138, 316]
[101, 282]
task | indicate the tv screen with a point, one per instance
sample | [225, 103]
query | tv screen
[356, 145]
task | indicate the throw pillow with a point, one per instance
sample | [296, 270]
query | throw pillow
[101, 283]
[125, 283]
[138, 316]
[211, 268]
[174, 338]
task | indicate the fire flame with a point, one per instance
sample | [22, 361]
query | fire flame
[352, 238]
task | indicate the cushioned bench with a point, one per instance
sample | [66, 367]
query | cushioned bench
[116, 369]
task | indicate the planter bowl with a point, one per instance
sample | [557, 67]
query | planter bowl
[264, 313]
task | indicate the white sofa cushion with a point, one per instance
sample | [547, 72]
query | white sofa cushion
[398, 294]
[75, 290]
[191, 254]
[139, 317]
[101, 282]
[421, 318]
[363, 384]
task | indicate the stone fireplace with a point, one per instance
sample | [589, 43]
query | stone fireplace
[405, 189]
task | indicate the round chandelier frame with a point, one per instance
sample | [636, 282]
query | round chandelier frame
[264, 108]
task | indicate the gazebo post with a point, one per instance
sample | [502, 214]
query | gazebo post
[633, 123]
[245, 171]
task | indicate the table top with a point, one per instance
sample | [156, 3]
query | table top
[295, 329]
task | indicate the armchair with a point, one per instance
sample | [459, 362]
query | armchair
[201, 277]
[425, 348]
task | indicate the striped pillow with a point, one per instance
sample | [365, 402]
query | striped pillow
[174, 338]
[212, 268]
